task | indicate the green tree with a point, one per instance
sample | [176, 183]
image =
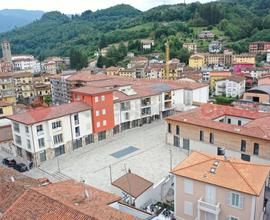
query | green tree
[102, 42]
[48, 100]
[78, 60]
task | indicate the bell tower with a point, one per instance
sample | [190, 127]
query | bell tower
[6, 50]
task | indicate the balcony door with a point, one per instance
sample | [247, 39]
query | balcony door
[210, 194]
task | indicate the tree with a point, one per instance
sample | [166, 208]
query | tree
[122, 50]
[48, 100]
[102, 42]
[184, 55]
[78, 60]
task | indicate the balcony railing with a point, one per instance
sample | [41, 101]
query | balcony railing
[208, 207]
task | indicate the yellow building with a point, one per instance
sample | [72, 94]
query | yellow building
[6, 109]
[7, 89]
[24, 85]
[174, 72]
[112, 71]
[196, 61]
[245, 58]
[215, 76]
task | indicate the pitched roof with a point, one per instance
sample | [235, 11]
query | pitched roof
[91, 90]
[11, 191]
[205, 115]
[220, 73]
[247, 177]
[132, 184]
[5, 103]
[47, 113]
[260, 89]
[66, 200]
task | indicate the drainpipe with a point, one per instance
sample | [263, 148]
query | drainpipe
[35, 159]
[71, 129]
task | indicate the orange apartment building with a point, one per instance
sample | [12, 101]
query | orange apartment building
[101, 102]
[244, 134]
[209, 187]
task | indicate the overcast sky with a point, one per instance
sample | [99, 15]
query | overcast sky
[78, 6]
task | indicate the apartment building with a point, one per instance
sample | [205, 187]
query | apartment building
[7, 89]
[25, 62]
[191, 47]
[215, 47]
[233, 86]
[23, 83]
[244, 134]
[112, 71]
[206, 35]
[209, 187]
[44, 133]
[218, 75]
[196, 61]
[5, 66]
[259, 47]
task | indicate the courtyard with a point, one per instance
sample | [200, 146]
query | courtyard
[143, 150]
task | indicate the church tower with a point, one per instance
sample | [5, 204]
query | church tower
[6, 50]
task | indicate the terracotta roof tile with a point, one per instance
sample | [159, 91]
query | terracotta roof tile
[48, 113]
[247, 177]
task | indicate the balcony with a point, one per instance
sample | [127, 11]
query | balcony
[146, 111]
[168, 96]
[208, 207]
[77, 122]
[145, 102]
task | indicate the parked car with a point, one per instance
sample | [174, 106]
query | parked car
[21, 167]
[10, 162]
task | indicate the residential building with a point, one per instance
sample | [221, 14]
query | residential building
[137, 60]
[51, 67]
[217, 75]
[219, 187]
[191, 47]
[112, 71]
[258, 94]
[243, 61]
[215, 47]
[259, 47]
[25, 62]
[44, 133]
[6, 109]
[31, 199]
[268, 56]
[5, 66]
[132, 73]
[7, 89]
[264, 80]
[243, 133]
[233, 86]
[147, 44]
[256, 72]
[225, 59]
[196, 61]
[206, 35]
[23, 83]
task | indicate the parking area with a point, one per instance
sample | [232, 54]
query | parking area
[142, 150]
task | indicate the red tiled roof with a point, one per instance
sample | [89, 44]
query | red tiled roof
[205, 115]
[247, 177]
[87, 76]
[5, 103]
[220, 73]
[44, 114]
[91, 90]
[66, 200]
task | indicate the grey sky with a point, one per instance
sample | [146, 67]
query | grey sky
[78, 6]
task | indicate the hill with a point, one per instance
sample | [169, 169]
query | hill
[236, 23]
[11, 18]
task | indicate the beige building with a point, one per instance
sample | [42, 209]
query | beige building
[112, 71]
[7, 89]
[191, 47]
[209, 187]
[23, 83]
[244, 134]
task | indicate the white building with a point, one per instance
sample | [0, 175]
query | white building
[233, 86]
[25, 62]
[215, 47]
[147, 44]
[46, 133]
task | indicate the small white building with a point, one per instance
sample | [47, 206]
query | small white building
[147, 44]
[44, 133]
[25, 62]
[215, 47]
[233, 86]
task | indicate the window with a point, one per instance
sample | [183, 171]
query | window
[177, 130]
[16, 127]
[169, 128]
[102, 135]
[59, 150]
[18, 140]
[77, 131]
[186, 144]
[233, 218]
[27, 129]
[188, 208]
[188, 186]
[97, 113]
[77, 143]
[256, 149]
[41, 143]
[104, 122]
[243, 145]
[56, 124]
[201, 136]
[96, 99]
[76, 119]
[176, 141]
[212, 138]
[58, 139]
[28, 144]
[98, 124]
[239, 122]
[229, 121]
[39, 128]
[103, 111]
[103, 98]
[236, 200]
[1, 111]
[89, 139]
[127, 116]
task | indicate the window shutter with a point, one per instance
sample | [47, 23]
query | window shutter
[241, 201]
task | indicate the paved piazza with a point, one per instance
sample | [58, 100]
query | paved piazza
[92, 163]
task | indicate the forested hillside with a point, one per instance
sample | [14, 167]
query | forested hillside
[235, 22]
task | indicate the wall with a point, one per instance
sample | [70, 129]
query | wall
[263, 98]
[201, 94]
[264, 81]
[7, 111]
[199, 192]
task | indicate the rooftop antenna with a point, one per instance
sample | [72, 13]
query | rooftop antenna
[86, 192]
[12, 179]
